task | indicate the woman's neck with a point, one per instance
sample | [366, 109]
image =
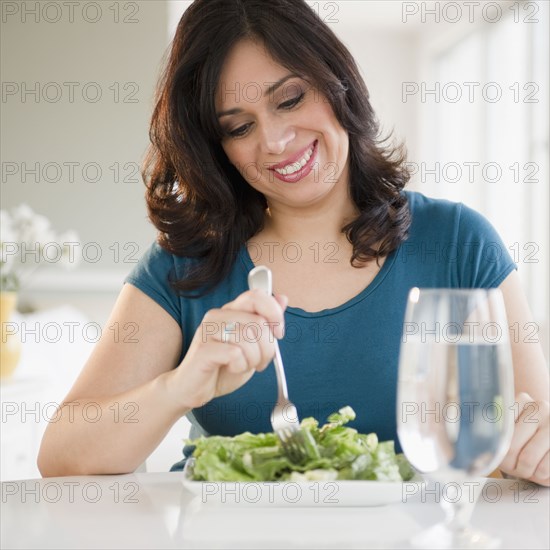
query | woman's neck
[322, 223]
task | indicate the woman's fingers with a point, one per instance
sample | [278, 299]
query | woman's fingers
[212, 355]
[528, 456]
[524, 429]
[532, 454]
[198, 375]
[237, 361]
[282, 300]
[542, 472]
[252, 321]
[230, 344]
[248, 331]
[269, 308]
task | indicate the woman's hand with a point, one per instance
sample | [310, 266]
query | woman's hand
[529, 453]
[229, 346]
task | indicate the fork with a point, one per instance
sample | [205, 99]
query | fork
[284, 417]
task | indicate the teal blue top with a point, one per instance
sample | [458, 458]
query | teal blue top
[347, 355]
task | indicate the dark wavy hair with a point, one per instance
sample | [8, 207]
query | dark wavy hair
[201, 205]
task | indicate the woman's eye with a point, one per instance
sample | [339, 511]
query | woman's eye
[292, 102]
[241, 131]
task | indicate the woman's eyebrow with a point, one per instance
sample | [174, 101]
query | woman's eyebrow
[273, 88]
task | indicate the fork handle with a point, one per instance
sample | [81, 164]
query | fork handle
[280, 372]
[261, 277]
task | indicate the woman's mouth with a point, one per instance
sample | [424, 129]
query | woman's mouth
[295, 171]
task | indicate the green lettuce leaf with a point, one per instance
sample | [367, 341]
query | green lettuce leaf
[333, 451]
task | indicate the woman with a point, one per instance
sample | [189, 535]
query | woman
[265, 150]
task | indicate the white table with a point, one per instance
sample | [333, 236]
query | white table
[50, 362]
[153, 510]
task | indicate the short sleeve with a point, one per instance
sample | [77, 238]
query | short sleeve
[152, 275]
[484, 259]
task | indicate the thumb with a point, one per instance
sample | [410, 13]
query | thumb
[522, 402]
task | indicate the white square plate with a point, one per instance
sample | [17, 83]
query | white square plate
[301, 494]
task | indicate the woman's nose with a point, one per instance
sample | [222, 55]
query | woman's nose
[275, 136]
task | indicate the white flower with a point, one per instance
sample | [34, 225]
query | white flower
[40, 229]
[22, 213]
[27, 242]
[69, 242]
[34, 230]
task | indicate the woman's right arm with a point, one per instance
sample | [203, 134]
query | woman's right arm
[138, 392]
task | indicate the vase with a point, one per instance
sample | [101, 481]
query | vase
[10, 348]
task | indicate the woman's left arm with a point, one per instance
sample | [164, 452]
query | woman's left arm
[529, 454]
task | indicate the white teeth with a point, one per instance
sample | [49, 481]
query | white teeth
[292, 168]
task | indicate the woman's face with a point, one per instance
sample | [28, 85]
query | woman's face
[285, 142]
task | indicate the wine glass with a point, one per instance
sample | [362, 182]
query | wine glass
[455, 400]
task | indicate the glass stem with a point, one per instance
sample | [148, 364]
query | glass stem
[457, 515]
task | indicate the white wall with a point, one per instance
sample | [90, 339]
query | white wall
[510, 55]
[51, 129]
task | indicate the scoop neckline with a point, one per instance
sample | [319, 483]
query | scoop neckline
[369, 289]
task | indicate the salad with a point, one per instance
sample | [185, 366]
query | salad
[334, 452]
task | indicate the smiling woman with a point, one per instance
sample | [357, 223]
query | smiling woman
[284, 138]
[281, 76]
[265, 149]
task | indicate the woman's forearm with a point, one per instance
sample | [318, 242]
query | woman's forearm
[111, 435]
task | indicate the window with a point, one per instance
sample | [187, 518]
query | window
[484, 127]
